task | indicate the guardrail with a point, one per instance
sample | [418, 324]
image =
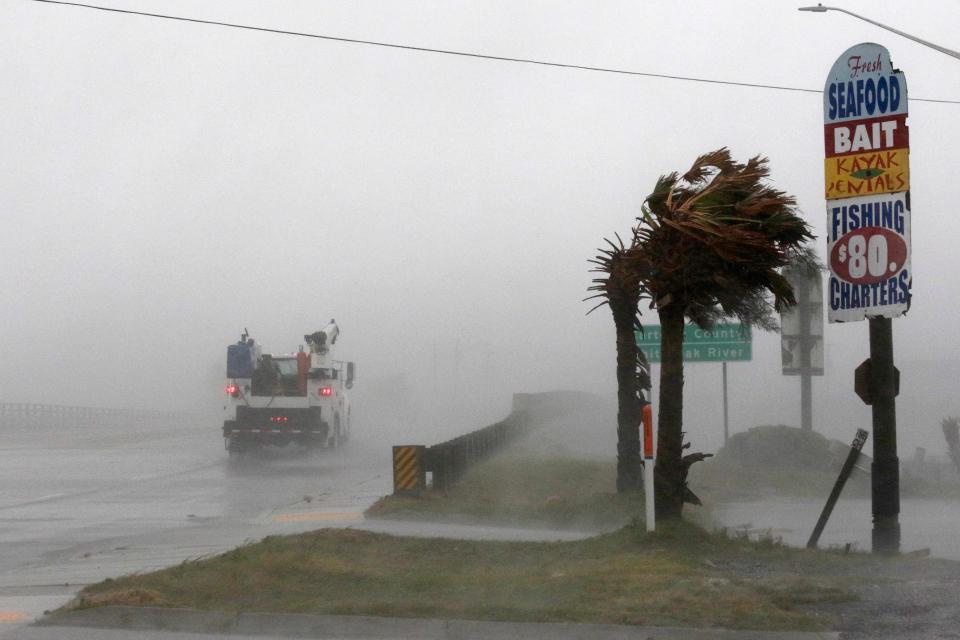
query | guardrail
[52, 415]
[446, 462]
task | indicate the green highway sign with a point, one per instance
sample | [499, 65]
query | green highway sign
[723, 343]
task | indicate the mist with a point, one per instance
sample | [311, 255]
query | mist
[165, 185]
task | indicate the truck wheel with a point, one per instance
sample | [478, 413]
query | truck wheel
[234, 448]
[333, 441]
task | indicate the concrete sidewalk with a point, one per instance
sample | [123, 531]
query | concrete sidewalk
[152, 623]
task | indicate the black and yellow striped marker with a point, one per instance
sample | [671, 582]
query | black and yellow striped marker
[408, 472]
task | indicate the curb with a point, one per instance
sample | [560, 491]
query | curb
[324, 626]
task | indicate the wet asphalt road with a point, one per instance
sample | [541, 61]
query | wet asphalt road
[78, 506]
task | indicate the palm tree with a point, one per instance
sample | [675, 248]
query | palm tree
[708, 245]
[620, 290]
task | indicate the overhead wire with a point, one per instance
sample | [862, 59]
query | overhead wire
[452, 52]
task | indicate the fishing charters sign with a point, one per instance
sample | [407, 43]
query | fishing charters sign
[867, 186]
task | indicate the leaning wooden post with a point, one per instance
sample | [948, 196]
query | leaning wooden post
[845, 471]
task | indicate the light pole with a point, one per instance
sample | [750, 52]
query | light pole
[822, 9]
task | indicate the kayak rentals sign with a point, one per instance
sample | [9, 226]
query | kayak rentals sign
[867, 186]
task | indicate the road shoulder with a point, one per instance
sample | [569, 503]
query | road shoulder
[333, 626]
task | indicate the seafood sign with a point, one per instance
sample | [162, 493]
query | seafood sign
[867, 183]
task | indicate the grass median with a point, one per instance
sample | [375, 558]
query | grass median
[526, 489]
[681, 575]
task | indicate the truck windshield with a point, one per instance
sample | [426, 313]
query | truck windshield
[286, 366]
[277, 377]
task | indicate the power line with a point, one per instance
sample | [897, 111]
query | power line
[450, 52]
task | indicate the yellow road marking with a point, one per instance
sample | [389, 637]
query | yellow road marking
[12, 616]
[351, 516]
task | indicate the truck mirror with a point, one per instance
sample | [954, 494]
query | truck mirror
[351, 374]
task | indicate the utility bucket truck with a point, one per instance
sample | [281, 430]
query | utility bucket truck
[276, 399]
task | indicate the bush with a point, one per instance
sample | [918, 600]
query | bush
[775, 460]
[777, 446]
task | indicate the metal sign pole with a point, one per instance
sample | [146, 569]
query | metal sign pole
[801, 339]
[806, 344]
[726, 419]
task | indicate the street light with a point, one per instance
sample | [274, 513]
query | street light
[822, 9]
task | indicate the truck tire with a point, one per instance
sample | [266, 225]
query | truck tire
[230, 442]
[333, 442]
[234, 448]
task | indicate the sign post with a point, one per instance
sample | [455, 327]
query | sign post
[867, 186]
[801, 336]
[648, 462]
[726, 414]
[845, 472]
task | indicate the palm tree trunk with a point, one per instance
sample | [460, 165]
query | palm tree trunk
[669, 476]
[629, 475]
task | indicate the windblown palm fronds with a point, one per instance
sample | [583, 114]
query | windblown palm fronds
[709, 244]
[712, 241]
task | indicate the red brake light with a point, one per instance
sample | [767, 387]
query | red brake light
[232, 389]
[280, 419]
[326, 391]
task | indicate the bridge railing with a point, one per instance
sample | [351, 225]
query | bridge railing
[14, 414]
[448, 461]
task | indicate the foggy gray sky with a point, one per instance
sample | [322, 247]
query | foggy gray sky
[164, 185]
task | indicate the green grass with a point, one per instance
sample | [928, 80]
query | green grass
[679, 576]
[516, 488]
